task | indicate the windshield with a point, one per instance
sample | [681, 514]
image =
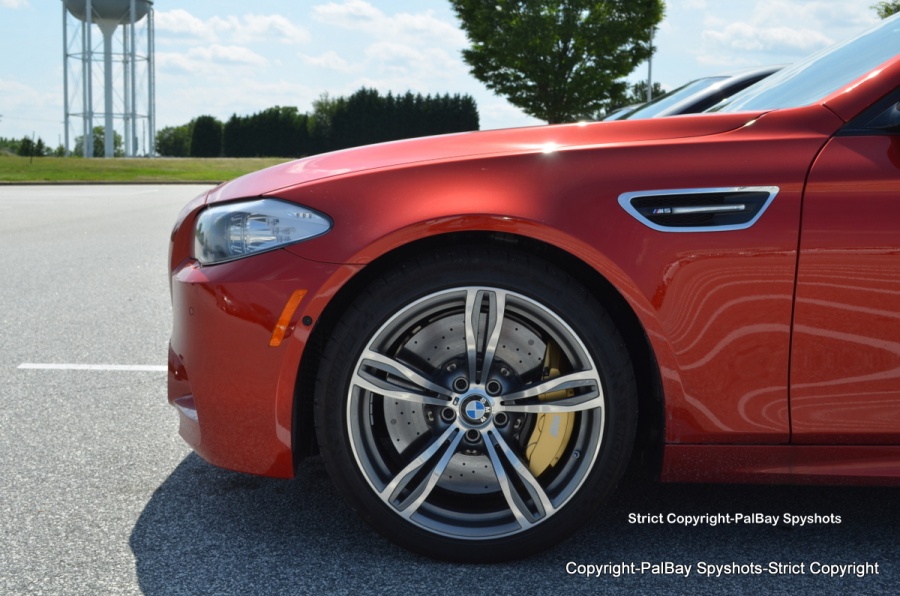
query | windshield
[822, 74]
[662, 102]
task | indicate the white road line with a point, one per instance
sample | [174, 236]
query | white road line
[100, 367]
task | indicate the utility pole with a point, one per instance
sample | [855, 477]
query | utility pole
[650, 67]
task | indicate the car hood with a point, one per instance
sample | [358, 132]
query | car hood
[453, 147]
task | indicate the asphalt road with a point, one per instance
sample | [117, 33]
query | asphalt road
[98, 494]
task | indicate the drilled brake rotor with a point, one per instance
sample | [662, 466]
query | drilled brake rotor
[441, 346]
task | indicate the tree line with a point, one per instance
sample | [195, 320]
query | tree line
[364, 117]
[30, 147]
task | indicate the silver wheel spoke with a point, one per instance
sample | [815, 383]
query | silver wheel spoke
[588, 399]
[473, 309]
[494, 324]
[386, 388]
[541, 506]
[496, 312]
[409, 489]
[382, 387]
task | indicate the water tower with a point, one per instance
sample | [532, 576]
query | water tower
[126, 27]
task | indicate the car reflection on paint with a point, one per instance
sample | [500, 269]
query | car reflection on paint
[480, 332]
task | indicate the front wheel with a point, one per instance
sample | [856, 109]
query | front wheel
[476, 405]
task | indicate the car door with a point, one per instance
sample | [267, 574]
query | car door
[845, 365]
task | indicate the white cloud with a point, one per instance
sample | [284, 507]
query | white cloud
[209, 60]
[351, 13]
[244, 29]
[17, 96]
[813, 14]
[228, 55]
[251, 28]
[788, 40]
[330, 61]
[395, 67]
[13, 3]
[181, 22]
[413, 62]
[400, 27]
[787, 28]
[25, 110]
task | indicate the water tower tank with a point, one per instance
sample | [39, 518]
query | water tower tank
[117, 11]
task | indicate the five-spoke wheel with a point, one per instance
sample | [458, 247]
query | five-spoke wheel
[471, 416]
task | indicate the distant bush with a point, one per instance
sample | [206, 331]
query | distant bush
[27, 147]
[174, 141]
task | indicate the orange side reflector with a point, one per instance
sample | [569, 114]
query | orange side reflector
[285, 319]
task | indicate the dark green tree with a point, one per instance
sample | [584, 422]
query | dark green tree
[886, 9]
[206, 137]
[280, 132]
[561, 60]
[100, 143]
[361, 120]
[319, 124]
[369, 117]
[235, 137]
[274, 132]
[174, 141]
[9, 145]
[26, 147]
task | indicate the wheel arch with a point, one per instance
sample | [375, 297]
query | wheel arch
[649, 440]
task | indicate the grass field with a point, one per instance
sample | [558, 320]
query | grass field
[161, 169]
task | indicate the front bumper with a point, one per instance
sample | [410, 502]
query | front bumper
[233, 389]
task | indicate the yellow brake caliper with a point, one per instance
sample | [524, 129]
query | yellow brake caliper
[551, 432]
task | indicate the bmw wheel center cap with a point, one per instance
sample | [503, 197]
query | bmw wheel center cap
[476, 409]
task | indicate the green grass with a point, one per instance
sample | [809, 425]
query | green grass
[161, 169]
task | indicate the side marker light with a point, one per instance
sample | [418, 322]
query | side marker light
[285, 319]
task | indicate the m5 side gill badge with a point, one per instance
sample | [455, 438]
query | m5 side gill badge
[699, 209]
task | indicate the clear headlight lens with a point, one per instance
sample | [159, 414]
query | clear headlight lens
[235, 230]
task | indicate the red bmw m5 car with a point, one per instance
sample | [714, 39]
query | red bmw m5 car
[480, 332]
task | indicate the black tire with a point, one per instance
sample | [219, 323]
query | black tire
[453, 461]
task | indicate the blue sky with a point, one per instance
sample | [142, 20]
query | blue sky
[223, 57]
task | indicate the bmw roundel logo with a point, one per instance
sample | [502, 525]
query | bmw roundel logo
[476, 409]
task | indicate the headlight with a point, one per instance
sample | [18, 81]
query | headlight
[235, 230]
